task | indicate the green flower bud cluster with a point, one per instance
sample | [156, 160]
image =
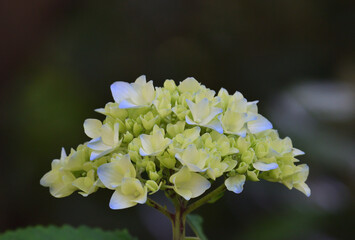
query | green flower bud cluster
[181, 137]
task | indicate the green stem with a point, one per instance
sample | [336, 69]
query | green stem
[179, 225]
[160, 208]
[205, 199]
[178, 219]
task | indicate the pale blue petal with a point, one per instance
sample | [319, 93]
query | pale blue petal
[127, 104]
[215, 125]
[189, 121]
[120, 201]
[265, 166]
[259, 125]
[121, 91]
[143, 153]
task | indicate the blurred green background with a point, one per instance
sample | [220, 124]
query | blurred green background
[58, 59]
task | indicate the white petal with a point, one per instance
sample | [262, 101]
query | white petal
[194, 168]
[265, 166]
[100, 110]
[127, 104]
[120, 201]
[214, 112]
[95, 155]
[146, 143]
[303, 187]
[63, 154]
[97, 145]
[215, 125]
[92, 127]
[193, 108]
[201, 110]
[121, 91]
[142, 198]
[259, 125]
[297, 152]
[189, 121]
[109, 176]
[197, 185]
[143, 153]
[252, 107]
[235, 183]
[141, 80]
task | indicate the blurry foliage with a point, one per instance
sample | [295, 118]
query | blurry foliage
[65, 232]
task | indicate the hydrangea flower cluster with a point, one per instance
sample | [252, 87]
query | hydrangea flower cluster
[179, 138]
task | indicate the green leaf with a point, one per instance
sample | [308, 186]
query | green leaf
[65, 232]
[195, 221]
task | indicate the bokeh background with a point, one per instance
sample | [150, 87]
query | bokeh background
[58, 59]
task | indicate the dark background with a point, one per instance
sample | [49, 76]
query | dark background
[58, 59]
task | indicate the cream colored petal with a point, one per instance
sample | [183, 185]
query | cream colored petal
[235, 183]
[92, 128]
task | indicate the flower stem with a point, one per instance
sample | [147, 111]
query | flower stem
[160, 208]
[205, 199]
[178, 219]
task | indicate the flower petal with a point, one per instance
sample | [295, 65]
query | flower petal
[109, 176]
[259, 125]
[235, 183]
[121, 91]
[265, 166]
[303, 187]
[98, 145]
[121, 201]
[297, 152]
[215, 125]
[127, 104]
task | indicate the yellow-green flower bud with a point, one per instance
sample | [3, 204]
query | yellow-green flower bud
[154, 176]
[248, 156]
[253, 175]
[86, 184]
[242, 144]
[129, 124]
[242, 167]
[152, 186]
[149, 120]
[150, 166]
[137, 129]
[127, 137]
[167, 160]
[170, 85]
[174, 129]
[261, 149]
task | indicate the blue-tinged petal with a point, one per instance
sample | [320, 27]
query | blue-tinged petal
[213, 113]
[189, 121]
[127, 104]
[121, 91]
[143, 153]
[215, 125]
[97, 145]
[121, 201]
[63, 154]
[265, 166]
[235, 183]
[303, 187]
[259, 125]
